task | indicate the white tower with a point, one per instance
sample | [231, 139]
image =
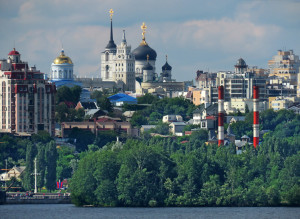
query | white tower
[124, 62]
[107, 57]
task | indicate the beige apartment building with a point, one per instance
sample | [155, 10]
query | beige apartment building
[27, 99]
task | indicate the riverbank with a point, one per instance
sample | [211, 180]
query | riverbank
[18, 198]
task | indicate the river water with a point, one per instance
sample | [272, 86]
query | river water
[63, 211]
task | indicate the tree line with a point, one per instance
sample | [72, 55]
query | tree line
[185, 171]
[164, 172]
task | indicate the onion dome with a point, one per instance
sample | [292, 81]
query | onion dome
[141, 52]
[148, 66]
[166, 66]
[62, 59]
[13, 52]
[241, 63]
[144, 49]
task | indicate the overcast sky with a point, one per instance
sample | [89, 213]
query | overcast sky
[195, 34]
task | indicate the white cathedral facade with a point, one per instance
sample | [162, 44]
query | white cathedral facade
[119, 64]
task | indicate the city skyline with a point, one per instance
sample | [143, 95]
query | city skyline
[212, 36]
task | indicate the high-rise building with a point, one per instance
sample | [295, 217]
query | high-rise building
[286, 65]
[240, 83]
[27, 99]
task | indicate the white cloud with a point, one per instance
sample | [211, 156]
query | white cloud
[201, 34]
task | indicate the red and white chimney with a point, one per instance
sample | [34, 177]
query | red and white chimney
[221, 116]
[255, 116]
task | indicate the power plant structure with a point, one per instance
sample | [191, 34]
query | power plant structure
[220, 115]
[255, 116]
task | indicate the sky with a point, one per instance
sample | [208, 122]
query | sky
[208, 35]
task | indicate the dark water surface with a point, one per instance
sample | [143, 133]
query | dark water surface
[63, 211]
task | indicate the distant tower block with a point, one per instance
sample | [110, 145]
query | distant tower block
[255, 116]
[221, 116]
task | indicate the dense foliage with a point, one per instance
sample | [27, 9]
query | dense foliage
[65, 93]
[161, 107]
[187, 172]
[52, 163]
[164, 172]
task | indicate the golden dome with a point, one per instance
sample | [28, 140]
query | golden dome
[62, 59]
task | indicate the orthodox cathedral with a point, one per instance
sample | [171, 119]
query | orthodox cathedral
[62, 71]
[119, 63]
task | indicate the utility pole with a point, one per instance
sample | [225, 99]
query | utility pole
[6, 171]
[35, 174]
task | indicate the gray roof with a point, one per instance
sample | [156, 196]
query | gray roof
[148, 126]
[91, 112]
[178, 123]
[245, 136]
[240, 143]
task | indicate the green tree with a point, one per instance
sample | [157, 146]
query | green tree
[64, 93]
[147, 99]
[41, 136]
[76, 91]
[247, 109]
[96, 94]
[28, 181]
[41, 164]
[83, 184]
[63, 167]
[161, 128]
[105, 104]
[61, 113]
[80, 115]
[290, 180]
[50, 158]
[105, 174]
[139, 177]
[138, 119]
[81, 138]
[155, 116]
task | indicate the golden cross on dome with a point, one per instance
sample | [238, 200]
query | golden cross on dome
[144, 27]
[166, 58]
[111, 12]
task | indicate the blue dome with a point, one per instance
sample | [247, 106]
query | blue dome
[166, 67]
[142, 51]
[241, 63]
[148, 67]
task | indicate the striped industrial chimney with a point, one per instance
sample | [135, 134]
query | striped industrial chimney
[255, 116]
[221, 116]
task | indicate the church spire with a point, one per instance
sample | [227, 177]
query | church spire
[111, 44]
[123, 38]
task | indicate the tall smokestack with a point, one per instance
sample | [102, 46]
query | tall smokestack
[255, 116]
[221, 115]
